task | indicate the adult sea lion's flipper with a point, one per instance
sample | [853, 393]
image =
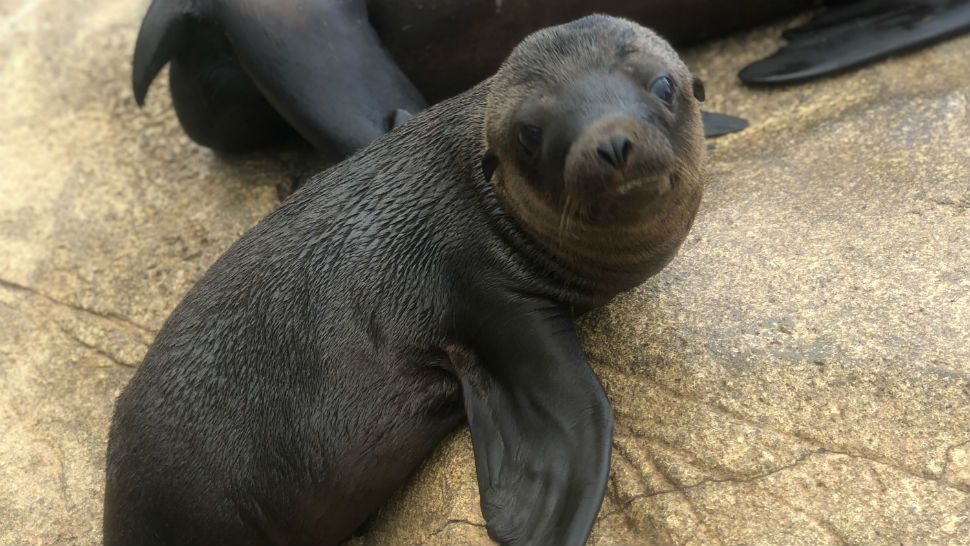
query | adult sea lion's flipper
[849, 34]
[716, 125]
[541, 428]
[217, 102]
[242, 67]
[321, 65]
[165, 30]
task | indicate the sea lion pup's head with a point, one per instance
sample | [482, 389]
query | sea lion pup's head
[594, 145]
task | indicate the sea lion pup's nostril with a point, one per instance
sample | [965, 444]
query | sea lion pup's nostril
[615, 150]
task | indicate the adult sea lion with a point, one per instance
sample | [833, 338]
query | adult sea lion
[340, 72]
[431, 278]
[253, 73]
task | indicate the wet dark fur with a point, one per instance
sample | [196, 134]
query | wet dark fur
[332, 347]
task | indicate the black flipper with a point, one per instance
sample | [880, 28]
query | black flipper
[321, 65]
[541, 428]
[856, 33]
[716, 125]
[165, 30]
[217, 102]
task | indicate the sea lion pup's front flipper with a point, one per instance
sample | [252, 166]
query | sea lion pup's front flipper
[541, 426]
[321, 65]
[849, 35]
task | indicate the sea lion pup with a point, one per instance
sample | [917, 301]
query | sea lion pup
[434, 277]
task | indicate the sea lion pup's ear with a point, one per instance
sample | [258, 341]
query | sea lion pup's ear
[398, 117]
[489, 164]
[698, 89]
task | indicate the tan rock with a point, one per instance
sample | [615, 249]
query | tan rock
[799, 375]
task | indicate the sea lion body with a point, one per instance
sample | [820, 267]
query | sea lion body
[403, 291]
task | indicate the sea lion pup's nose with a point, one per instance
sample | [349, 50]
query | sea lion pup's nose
[615, 150]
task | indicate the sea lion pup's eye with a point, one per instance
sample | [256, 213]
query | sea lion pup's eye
[530, 138]
[663, 89]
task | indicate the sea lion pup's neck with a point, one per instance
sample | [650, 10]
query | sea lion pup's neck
[594, 148]
[614, 256]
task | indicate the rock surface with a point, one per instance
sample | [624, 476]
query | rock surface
[799, 375]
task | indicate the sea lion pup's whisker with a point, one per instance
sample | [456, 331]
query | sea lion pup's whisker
[564, 216]
[584, 211]
[581, 213]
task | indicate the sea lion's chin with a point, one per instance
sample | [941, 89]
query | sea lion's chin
[622, 199]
